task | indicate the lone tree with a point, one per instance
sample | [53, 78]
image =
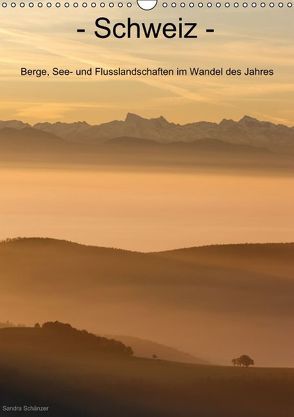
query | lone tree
[243, 360]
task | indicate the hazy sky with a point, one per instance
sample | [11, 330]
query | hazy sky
[46, 38]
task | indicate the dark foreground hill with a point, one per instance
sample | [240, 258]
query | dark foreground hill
[82, 385]
[60, 338]
[246, 131]
[140, 347]
[214, 302]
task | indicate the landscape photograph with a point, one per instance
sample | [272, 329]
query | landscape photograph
[146, 223]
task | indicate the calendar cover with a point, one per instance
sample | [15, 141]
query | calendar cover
[146, 208]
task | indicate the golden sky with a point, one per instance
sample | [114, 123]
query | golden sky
[244, 38]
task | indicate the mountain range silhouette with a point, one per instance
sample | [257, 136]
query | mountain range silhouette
[238, 295]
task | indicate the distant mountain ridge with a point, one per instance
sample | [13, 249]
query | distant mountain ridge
[247, 131]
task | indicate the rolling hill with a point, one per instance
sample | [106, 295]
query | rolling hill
[246, 131]
[147, 349]
[214, 302]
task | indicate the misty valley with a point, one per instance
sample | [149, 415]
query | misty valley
[71, 372]
[220, 72]
[146, 209]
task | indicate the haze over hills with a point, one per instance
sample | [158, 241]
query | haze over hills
[58, 370]
[247, 144]
[147, 349]
[221, 300]
[246, 131]
[28, 139]
[13, 124]
[140, 347]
